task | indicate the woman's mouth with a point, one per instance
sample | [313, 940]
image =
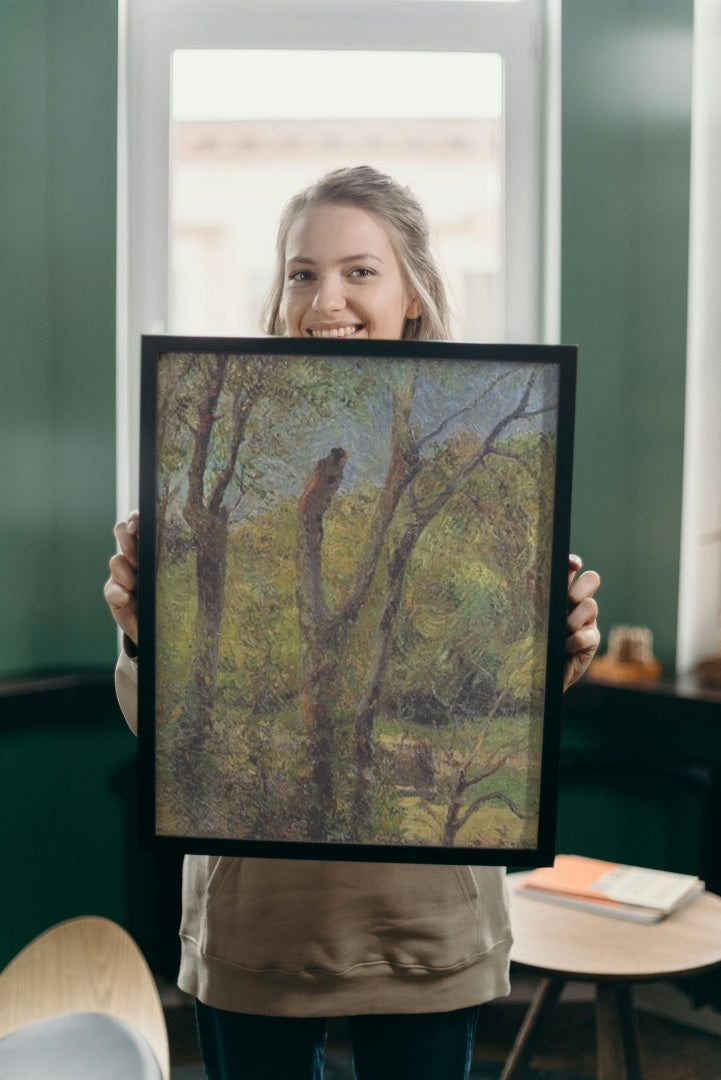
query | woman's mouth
[335, 331]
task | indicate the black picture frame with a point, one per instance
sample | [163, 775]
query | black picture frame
[353, 574]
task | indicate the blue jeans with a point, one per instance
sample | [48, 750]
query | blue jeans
[416, 1046]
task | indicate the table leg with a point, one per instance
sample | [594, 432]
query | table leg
[545, 997]
[617, 1033]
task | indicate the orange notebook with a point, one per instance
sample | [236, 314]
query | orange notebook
[631, 892]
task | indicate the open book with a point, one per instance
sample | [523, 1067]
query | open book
[608, 888]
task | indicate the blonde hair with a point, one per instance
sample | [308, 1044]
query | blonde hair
[403, 217]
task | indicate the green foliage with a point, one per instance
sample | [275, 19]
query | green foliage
[461, 688]
[523, 667]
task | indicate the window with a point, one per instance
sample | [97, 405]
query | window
[235, 161]
[227, 107]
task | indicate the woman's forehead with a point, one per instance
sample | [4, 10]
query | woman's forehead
[328, 228]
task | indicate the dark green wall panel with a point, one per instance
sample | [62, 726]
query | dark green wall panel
[626, 145]
[62, 788]
[58, 77]
[25, 389]
[68, 801]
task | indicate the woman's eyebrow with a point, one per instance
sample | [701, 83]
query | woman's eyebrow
[361, 257]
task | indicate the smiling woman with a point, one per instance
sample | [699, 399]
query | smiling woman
[353, 259]
[352, 287]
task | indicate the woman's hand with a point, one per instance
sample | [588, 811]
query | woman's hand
[121, 587]
[583, 635]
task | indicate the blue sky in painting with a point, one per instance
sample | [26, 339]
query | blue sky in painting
[443, 390]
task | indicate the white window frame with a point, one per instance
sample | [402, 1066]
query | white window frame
[526, 34]
[699, 596]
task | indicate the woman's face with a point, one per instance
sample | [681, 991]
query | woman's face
[342, 277]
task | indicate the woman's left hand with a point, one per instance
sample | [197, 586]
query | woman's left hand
[583, 635]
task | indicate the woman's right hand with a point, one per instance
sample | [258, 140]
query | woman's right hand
[121, 587]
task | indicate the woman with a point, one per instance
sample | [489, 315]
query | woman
[271, 948]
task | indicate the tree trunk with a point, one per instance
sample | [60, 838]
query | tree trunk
[208, 520]
[364, 748]
[320, 644]
[323, 633]
[212, 539]
[319, 674]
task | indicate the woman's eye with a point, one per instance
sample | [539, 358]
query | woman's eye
[362, 272]
[300, 276]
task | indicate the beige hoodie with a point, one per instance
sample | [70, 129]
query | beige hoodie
[283, 937]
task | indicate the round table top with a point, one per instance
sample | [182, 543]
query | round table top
[559, 940]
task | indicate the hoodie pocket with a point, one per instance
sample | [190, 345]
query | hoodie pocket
[294, 916]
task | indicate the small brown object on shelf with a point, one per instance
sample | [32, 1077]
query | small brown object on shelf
[709, 670]
[629, 657]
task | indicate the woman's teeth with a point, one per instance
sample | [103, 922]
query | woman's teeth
[337, 331]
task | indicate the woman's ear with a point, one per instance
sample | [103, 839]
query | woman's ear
[415, 309]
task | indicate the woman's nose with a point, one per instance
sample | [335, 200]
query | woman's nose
[329, 294]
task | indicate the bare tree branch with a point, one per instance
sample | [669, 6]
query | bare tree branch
[241, 409]
[462, 412]
[490, 796]
[488, 446]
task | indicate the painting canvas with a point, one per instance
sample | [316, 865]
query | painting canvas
[353, 567]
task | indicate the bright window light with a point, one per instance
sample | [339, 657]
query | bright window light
[223, 84]
[238, 156]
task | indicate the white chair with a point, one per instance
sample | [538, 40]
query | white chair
[79, 1002]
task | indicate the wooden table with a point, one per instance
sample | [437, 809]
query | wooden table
[563, 944]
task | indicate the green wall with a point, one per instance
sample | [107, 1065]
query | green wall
[625, 200]
[58, 72]
[66, 759]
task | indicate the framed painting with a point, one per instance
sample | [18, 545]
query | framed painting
[352, 597]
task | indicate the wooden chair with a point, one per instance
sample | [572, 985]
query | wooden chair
[89, 971]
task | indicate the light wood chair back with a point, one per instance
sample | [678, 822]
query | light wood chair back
[88, 964]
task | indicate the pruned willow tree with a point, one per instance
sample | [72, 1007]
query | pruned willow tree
[418, 485]
[206, 414]
[211, 420]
